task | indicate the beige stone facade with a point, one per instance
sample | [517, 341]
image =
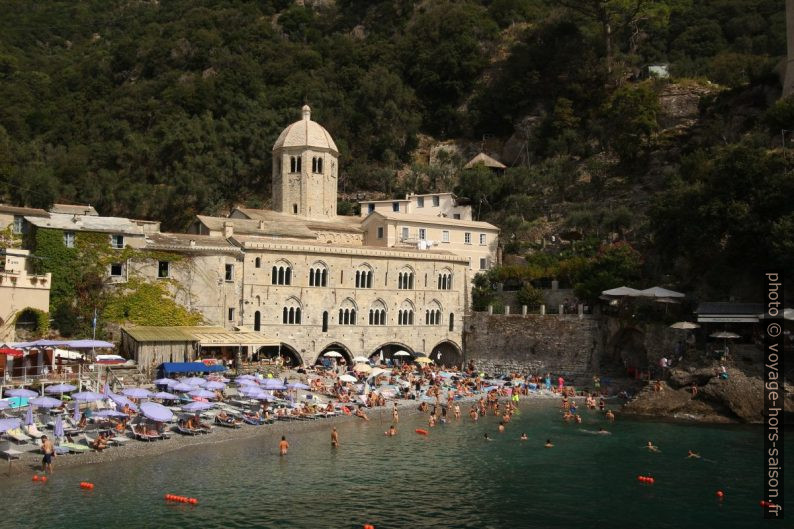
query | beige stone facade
[20, 289]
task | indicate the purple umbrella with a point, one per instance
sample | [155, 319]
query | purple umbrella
[182, 387]
[58, 430]
[166, 382]
[106, 390]
[121, 400]
[156, 412]
[109, 413]
[60, 388]
[212, 385]
[4, 404]
[46, 402]
[136, 393]
[164, 395]
[263, 396]
[87, 396]
[22, 393]
[247, 382]
[297, 385]
[219, 379]
[29, 416]
[87, 344]
[197, 406]
[9, 424]
[202, 394]
[245, 377]
[273, 383]
[76, 416]
[194, 381]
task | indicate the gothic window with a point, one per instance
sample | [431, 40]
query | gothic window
[405, 316]
[364, 276]
[433, 314]
[281, 274]
[377, 313]
[291, 313]
[318, 275]
[445, 280]
[347, 312]
[405, 279]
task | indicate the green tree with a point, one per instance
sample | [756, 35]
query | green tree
[630, 117]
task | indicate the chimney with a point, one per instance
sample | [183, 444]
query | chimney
[261, 224]
[228, 229]
[76, 219]
[192, 242]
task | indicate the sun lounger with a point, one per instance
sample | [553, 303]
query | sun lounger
[75, 448]
[32, 431]
[10, 453]
[119, 440]
[231, 422]
[141, 434]
[17, 436]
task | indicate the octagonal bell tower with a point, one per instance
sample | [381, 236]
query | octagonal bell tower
[305, 165]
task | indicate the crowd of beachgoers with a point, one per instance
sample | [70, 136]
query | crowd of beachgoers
[39, 428]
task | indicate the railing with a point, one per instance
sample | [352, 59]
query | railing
[25, 376]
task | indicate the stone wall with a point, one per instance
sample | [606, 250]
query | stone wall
[563, 345]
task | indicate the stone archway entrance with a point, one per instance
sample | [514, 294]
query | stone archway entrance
[337, 347]
[447, 354]
[288, 354]
[387, 353]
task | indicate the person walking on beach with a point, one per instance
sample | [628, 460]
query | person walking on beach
[49, 454]
[283, 446]
[334, 438]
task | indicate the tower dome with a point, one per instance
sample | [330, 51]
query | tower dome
[306, 133]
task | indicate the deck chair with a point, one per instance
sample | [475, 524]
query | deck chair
[17, 436]
[32, 431]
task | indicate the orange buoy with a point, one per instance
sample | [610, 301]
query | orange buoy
[193, 501]
[720, 494]
[421, 431]
[35, 477]
[651, 480]
[44, 479]
[369, 526]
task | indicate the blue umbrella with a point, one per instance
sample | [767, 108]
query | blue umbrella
[197, 406]
[156, 412]
[202, 394]
[87, 396]
[76, 416]
[136, 393]
[60, 388]
[164, 395]
[212, 385]
[29, 416]
[109, 413]
[22, 393]
[9, 424]
[59, 426]
[46, 402]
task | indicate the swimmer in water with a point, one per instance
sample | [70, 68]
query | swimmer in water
[524, 437]
[549, 444]
[651, 447]
[602, 431]
[283, 446]
[501, 427]
[609, 415]
[391, 432]
[334, 438]
[691, 454]
[486, 437]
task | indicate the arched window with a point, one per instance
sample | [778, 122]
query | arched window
[377, 313]
[294, 164]
[317, 165]
[257, 320]
[405, 278]
[405, 316]
[291, 313]
[364, 276]
[347, 312]
[258, 262]
[281, 273]
[451, 321]
[445, 279]
[318, 275]
[325, 321]
[433, 313]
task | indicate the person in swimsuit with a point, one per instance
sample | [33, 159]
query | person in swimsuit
[283, 446]
[391, 432]
[49, 454]
[651, 447]
[501, 427]
[692, 455]
[548, 444]
[457, 411]
[334, 438]
[486, 437]
[394, 415]
[524, 437]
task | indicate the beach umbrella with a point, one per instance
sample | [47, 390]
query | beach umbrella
[76, 416]
[110, 360]
[402, 353]
[273, 383]
[166, 382]
[60, 388]
[361, 359]
[247, 382]
[182, 387]
[423, 360]
[136, 393]
[725, 335]
[377, 371]
[213, 385]
[333, 354]
[245, 377]
[9, 424]
[217, 378]
[164, 395]
[106, 390]
[347, 378]
[263, 396]
[202, 394]
[109, 413]
[46, 402]
[297, 385]
[58, 430]
[622, 292]
[87, 396]
[194, 381]
[684, 325]
[156, 412]
[659, 292]
[362, 368]
[4, 404]
[197, 406]
[29, 416]
[21, 393]
[121, 400]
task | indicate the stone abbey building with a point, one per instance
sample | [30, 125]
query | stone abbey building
[395, 278]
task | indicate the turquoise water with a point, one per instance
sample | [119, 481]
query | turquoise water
[449, 479]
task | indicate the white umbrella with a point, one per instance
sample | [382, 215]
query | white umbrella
[659, 292]
[347, 378]
[685, 325]
[725, 335]
[622, 292]
[378, 371]
[333, 354]
[361, 359]
[402, 353]
[362, 368]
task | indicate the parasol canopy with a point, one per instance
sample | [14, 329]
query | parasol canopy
[156, 412]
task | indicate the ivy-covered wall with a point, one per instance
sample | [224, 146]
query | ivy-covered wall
[147, 303]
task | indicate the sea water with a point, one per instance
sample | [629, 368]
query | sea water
[451, 478]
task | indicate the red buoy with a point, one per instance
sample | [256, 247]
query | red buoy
[35, 477]
[651, 480]
[44, 479]
[193, 501]
[720, 494]
[421, 431]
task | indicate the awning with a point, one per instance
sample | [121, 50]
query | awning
[227, 339]
[189, 367]
[11, 352]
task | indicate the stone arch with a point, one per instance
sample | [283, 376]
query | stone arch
[292, 311]
[388, 349]
[378, 313]
[364, 276]
[444, 280]
[281, 273]
[338, 347]
[447, 353]
[405, 278]
[288, 354]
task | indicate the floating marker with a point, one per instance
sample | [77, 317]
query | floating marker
[720, 494]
